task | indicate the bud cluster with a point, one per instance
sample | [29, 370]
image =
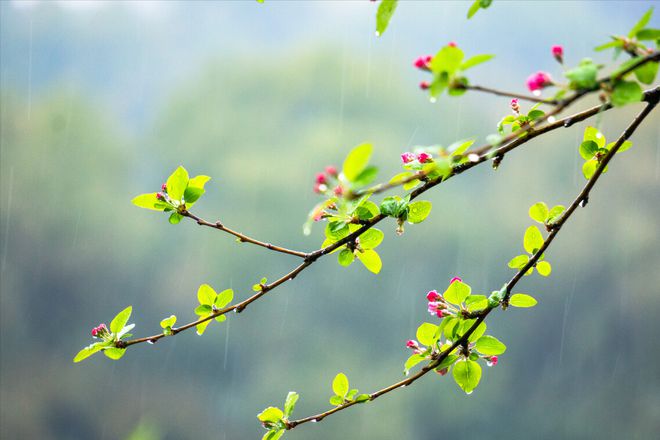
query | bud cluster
[326, 180]
[100, 332]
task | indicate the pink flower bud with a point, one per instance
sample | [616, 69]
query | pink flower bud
[99, 331]
[451, 44]
[320, 178]
[160, 196]
[163, 187]
[424, 85]
[332, 171]
[514, 105]
[423, 157]
[491, 361]
[410, 343]
[558, 53]
[538, 80]
[455, 279]
[407, 157]
[424, 62]
[433, 295]
[439, 313]
[339, 191]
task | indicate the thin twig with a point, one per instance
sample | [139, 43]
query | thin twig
[437, 359]
[492, 91]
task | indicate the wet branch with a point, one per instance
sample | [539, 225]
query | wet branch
[480, 316]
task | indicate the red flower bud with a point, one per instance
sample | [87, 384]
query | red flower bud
[433, 295]
[320, 178]
[423, 157]
[339, 190]
[558, 53]
[163, 187]
[407, 157]
[332, 171]
[424, 62]
[160, 196]
[451, 44]
[424, 85]
[455, 279]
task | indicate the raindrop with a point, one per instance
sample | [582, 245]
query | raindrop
[406, 373]
[377, 34]
[535, 93]
[552, 119]
[469, 392]
[433, 99]
[315, 420]
[584, 202]
[473, 157]
[151, 342]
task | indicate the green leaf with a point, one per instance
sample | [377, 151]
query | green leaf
[363, 398]
[384, 15]
[522, 300]
[198, 182]
[192, 194]
[206, 295]
[539, 212]
[588, 149]
[533, 239]
[475, 60]
[648, 34]
[592, 134]
[371, 260]
[584, 76]
[412, 361]
[589, 168]
[616, 43]
[476, 334]
[624, 146]
[457, 292]
[392, 206]
[518, 262]
[168, 322]
[224, 298]
[221, 318]
[177, 183]
[646, 73]
[490, 345]
[357, 161]
[473, 9]
[114, 353]
[476, 302]
[203, 310]
[336, 400]
[340, 385]
[467, 375]
[626, 92]
[555, 212]
[367, 176]
[419, 211]
[371, 238]
[119, 321]
[461, 148]
[448, 59]
[276, 433]
[544, 268]
[426, 333]
[149, 201]
[88, 351]
[175, 218]
[201, 327]
[290, 403]
[271, 415]
[641, 23]
[336, 230]
[345, 257]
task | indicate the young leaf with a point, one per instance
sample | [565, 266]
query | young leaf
[345, 257]
[518, 262]
[426, 333]
[384, 15]
[371, 260]
[224, 298]
[340, 385]
[457, 292]
[476, 302]
[88, 351]
[419, 211]
[641, 23]
[477, 333]
[201, 327]
[592, 134]
[168, 322]
[467, 375]
[646, 73]
[589, 168]
[177, 183]
[555, 212]
[522, 300]
[448, 59]
[475, 60]
[120, 320]
[175, 218]
[544, 268]
[206, 295]
[371, 238]
[273, 434]
[473, 9]
[271, 415]
[356, 161]
[533, 239]
[114, 353]
[626, 92]
[539, 212]
[198, 182]
[149, 201]
[624, 146]
[490, 345]
[290, 403]
[191, 195]
[412, 361]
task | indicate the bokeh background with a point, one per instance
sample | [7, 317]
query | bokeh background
[101, 101]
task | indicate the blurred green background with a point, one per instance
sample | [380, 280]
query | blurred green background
[101, 101]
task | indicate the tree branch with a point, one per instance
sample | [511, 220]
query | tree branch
[481, 315]
[510, 94]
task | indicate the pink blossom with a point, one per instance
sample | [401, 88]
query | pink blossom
[491, 361]
[424, 85]
[339, 190]
[433, 295]
[424, 62]
[456, 279]
[407, 157]
[538, 80]
[451, 44]
[332, 171]
[558, 53]
[320, 178]
[163, 187]
[423, 157]
[410, 343]
[160, 196]
[99, 331]
[436, 309]
[514, 105]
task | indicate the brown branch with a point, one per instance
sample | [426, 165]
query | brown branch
[242, 237]
[437, 359]
[510, 94]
